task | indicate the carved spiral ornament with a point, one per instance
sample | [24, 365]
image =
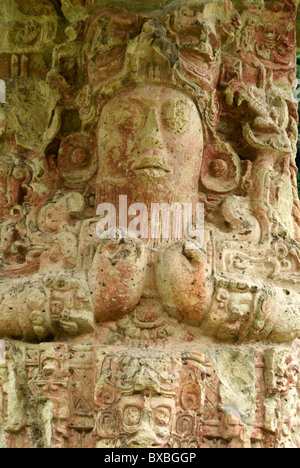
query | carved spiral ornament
[221, 169]
[77, 161]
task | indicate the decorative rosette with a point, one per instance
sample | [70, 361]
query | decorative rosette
[107, 395]
[77, 160]
[221, 168]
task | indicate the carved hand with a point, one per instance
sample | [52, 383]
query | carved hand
[184, 282]
[117, 277]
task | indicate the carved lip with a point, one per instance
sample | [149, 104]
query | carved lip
[155, 162]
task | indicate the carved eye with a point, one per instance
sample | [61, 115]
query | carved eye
[132, 415]
[162, 416]
[176, 115]
[185, 425]
[130, 117]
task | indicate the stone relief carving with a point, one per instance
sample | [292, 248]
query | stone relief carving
[163, 104]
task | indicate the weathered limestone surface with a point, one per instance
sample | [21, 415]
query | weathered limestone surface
[146, 343]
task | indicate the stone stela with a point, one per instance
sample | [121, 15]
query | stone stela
[136, 343]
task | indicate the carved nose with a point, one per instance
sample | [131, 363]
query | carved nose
[151, 137]
[236, 313]
[145, 437]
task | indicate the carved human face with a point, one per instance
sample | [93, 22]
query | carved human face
[150, 138]
[53, 216]
[147, 419]
[230, 311]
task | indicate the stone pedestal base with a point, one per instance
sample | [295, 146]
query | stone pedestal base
[62, 395]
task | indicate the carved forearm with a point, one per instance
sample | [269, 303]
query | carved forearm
[242, 312]
[117, 277]
[46, 307]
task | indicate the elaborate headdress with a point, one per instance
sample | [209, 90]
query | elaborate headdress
[180, 50]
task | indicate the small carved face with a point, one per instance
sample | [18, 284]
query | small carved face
[151, 135]
[230, 311]
[146, 419]
[240, 305]
[50, 368]
[53, 216]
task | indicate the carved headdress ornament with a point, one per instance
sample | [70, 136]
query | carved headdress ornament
[153, 374]
[180, 50]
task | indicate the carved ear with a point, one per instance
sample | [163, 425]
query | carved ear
[86, 106]
[221, 168]
[77, 161]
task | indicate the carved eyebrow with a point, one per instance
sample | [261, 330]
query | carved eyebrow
[246, 301]
[143, 102]
[147, 103]
[170, 101]
[161, 405]
[160, 402]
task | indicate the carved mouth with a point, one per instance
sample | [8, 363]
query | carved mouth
[155, 165]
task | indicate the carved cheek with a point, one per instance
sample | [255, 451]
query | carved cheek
[112, 151]
[187, 149]
[184, 153]
[218, 313]
[3, 191]
[162, 418]
[241, 306]
[192, 156]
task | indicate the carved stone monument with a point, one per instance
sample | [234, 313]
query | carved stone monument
[125, 341]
